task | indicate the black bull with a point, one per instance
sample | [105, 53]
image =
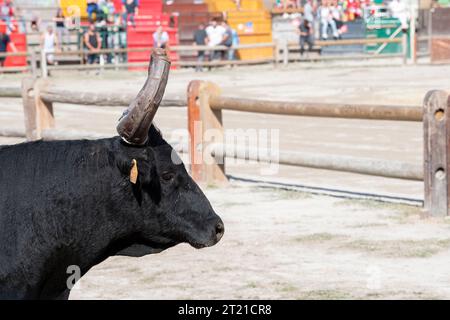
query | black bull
[67, 204]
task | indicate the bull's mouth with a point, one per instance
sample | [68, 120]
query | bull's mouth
[201, 244]
[138, 250]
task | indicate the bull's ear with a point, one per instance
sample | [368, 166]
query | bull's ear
[134, 172]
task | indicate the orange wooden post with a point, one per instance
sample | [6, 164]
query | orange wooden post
[195, 133]
[206, 131]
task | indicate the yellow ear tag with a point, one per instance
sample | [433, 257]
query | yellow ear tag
[134, 172]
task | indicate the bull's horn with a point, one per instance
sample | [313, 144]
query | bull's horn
[136, 120]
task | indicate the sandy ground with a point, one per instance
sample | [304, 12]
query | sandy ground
[282, 244]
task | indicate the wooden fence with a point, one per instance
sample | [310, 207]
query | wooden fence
[38, 98]
[207, 156]
[281, 54]
[205, 105]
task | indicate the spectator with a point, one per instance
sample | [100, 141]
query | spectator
[7, 13]
[5, 41]
[35, 22]
[337, 13]
[111, 10]
[160, 38]
[49, 44]
[326, 19]
[92, 7]
[93, 43]
[20, 18]
[216, 35]
[61, 30]
[200, 39]
[228, 40]
[130, 9]
[398, 10]
[308, 11]
[306, 33]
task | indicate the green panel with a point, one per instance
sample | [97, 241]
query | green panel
[383, 28]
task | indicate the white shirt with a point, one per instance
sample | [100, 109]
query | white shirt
[215, 35]
[49, 42]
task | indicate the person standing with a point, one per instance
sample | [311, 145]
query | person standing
[228, 41]
[49, 44]
[160, 38]
[130, 9]
[216, 35]
[7, 13]
[61, 31]
[93, 43]
[200, 39]
[308, 11]
[5, 41]
[306, 33]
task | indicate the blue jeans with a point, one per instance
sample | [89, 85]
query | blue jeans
[129, 16]
[325, 25]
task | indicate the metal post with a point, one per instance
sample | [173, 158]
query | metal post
[285, 53]
[430, 29]
[276, 54]
[436, 128]
[405, 48]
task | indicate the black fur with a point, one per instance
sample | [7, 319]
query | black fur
[66, 203]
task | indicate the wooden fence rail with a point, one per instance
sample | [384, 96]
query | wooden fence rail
[208, 152]
[280, 54]
[38, 97]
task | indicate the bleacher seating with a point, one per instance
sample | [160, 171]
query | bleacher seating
[150, 17]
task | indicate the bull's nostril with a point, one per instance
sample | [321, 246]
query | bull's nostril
[220, 229]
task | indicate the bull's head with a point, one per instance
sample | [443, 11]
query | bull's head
[173, 209]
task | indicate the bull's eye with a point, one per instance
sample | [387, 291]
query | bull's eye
[168, 176]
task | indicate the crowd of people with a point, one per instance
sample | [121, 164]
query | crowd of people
[327, 19]
[322, 19]
[217, 33]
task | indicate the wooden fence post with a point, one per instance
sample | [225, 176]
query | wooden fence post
[33, 63]
[44, 70]
[44, 109]
[206, 130]
[195, 133]
[436, 128]
[29, 108]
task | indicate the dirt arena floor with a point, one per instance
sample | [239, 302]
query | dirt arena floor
[286, 244]
[281, 244]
